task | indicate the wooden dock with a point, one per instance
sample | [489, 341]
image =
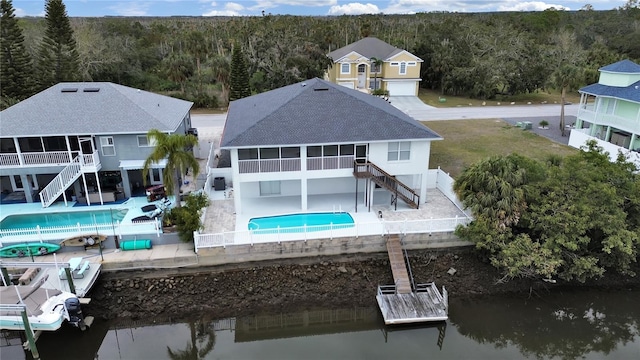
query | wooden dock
[399, 303]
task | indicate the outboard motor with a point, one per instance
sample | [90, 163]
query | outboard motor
[75, 313]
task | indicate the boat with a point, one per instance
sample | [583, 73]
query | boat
[84, 240]
[47, 309]
[28, 249]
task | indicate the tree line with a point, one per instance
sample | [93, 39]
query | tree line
[479, 55]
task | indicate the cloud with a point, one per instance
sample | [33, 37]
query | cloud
[531, 6]
[19, 12]
[229, 9]
[131, 8]
[354, 9]
[268, 4]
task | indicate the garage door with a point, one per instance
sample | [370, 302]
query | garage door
[348, 84]
[402, 88]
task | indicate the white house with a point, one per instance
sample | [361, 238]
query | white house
[609, 111]
[315, 138]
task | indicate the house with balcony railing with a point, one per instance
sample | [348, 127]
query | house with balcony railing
[609, 112]
[315, 138]
[85, 140]
[371, 64]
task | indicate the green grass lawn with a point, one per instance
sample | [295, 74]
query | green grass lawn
[432, 98]
[468, 141]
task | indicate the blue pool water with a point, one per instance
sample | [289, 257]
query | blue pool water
[29, 221]
[342, 219]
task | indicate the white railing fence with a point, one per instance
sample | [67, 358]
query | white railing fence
[40, 233]
[303, 233]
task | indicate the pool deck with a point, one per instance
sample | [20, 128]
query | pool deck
[133, 205]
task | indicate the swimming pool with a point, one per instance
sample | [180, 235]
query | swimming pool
[29, 221]
[297, 222]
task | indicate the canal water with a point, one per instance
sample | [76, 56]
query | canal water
[563, 325]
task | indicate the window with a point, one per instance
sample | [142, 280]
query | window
[269, 153]
[345, 68]
[290, 152]
[399, 151]
[108, 148]
[54, 143]
[330, 150]
[314, 151]
[144, 141]
[403, 68]
[394, 64]
[346, 150]
[156, 177]
[247, 154]
[269, 188]
[30, 144]
[375, 68]
[411, 63]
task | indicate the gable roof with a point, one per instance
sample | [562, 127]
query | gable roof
[317, 112]
[93, 108]
[623, 66]
[368, 47]
[631, 92]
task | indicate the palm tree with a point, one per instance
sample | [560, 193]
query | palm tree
[176, 148]
[200, 331]
[566, 76]
[377, 64]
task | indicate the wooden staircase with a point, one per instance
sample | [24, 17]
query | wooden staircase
[398, 266]
[383, 179]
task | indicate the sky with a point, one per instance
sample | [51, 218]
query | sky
[90, 8]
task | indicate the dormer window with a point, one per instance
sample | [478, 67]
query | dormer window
[345, 68]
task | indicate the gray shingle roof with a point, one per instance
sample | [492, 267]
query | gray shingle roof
[317, 112]
[111, 110]
[368, 47]
[631, 92]
[623, 66]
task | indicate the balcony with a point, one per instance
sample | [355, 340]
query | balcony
[330, 162]
[579, 137]
[268, 165]
[91, 162]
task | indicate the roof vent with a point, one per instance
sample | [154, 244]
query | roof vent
[321, 89]
[69, 90]
[91, 90]
[303, 84]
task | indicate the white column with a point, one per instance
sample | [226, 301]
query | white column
[237, 188]
[423, 187]
[303, 193]
[26, 185]
[303, 179]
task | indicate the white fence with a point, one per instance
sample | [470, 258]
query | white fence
[59, 232]
[331, 231]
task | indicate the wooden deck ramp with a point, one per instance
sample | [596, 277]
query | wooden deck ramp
[398, 266]
[403, 302]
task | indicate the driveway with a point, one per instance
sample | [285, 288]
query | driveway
[410, 104]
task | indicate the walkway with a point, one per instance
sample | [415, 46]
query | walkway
[398, 266]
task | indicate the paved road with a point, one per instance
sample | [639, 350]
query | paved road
[489, 112]
[206, 120]
[456, 113]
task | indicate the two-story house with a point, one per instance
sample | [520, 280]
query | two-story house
[609, 111]
[85, 140]
[315, 138]
[354, 66]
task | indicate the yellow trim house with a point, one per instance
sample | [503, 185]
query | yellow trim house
[353, 66]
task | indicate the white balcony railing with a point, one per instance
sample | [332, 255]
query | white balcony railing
[268, 165]
[47, 158]
[330, 162]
